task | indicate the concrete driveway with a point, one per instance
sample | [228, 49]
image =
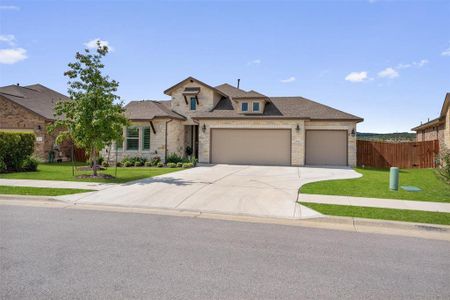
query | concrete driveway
[264, 191]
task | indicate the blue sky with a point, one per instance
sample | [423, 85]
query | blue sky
[388, 62]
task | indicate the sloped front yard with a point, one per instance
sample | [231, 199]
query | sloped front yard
[375, 184]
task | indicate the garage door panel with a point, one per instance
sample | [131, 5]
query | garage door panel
[251, 146]
[326, 147]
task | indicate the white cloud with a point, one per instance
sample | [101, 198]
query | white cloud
[417, 64]
[388, 73]
[13, 55]
[357, 76]
[92, 44]
[9, 7]
[254, 62]
[446, 52]
[288, 80]
[8, 39]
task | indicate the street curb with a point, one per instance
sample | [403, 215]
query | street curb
[421, 230]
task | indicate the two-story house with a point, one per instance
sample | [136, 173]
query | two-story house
[225, 124]
[438, 128]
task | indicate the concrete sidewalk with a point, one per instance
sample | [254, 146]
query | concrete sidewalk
[376, 202]
[57, 184]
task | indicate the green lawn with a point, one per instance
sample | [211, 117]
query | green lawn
[375, 184]
[381, 213]
[63, 171]
[26, 190]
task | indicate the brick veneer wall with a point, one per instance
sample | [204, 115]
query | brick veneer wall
[15, 117]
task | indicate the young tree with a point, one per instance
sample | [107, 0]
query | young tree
[92, 119]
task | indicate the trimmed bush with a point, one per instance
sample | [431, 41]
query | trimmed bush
[2, 167]
[138, 164]
[29, 164]
[127, 164]
[155, 160]
[118, 164]
[148, 164]
[179, 165]
[105, 164]
[134, 160]
[15, 147]
[171, 165]
[174, 158]
[188, 165]
[160, 164]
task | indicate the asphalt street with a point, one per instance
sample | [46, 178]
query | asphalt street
[56, 253]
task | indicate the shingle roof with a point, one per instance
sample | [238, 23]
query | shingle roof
[236, 93]
[36, 98]
[281, 108]
[150, 109]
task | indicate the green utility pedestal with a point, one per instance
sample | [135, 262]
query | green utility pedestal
[393, 179]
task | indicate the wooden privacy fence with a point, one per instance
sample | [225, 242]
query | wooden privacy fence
[402, 155]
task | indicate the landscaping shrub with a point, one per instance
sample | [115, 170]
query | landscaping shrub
[15, 147]
[138, 163]
[160, 164]
[171, 165]
[174, 158]
[118, 164]
[127, 164]
[29, 164]
[179, 165]
[148, 164]
[134, 160]
[155, 160]
[188, 165]
[105, 164]
[444, 163]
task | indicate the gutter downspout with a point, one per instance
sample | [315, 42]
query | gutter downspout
[165, 148]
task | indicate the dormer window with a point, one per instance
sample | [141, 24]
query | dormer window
[255, 106]
[193, 103]
[244, 106]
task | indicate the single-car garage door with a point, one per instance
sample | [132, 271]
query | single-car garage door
[326, 147]
[251, 146]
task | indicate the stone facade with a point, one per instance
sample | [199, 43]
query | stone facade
[179, 133]
[175, 141]
[16, 118]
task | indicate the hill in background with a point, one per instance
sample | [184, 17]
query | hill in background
[387, 137]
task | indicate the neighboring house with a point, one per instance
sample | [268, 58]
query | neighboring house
[30, 109]
[437, 129]
[224, 124]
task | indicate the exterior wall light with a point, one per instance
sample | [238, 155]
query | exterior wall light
[353, 132]
[297, 128]
[204, 128]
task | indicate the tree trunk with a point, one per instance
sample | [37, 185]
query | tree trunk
[94, 162]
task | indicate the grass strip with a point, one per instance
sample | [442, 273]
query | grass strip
[38, 191]
[381, 213]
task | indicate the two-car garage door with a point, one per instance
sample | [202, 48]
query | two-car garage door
[273, 147]
[251, 146]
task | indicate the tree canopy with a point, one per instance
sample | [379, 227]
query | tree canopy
[95, 116]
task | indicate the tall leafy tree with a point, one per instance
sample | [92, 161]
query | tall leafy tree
[95, 116]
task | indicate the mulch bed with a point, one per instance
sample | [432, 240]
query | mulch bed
[101, 176]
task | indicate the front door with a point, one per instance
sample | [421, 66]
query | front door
[194, 140]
